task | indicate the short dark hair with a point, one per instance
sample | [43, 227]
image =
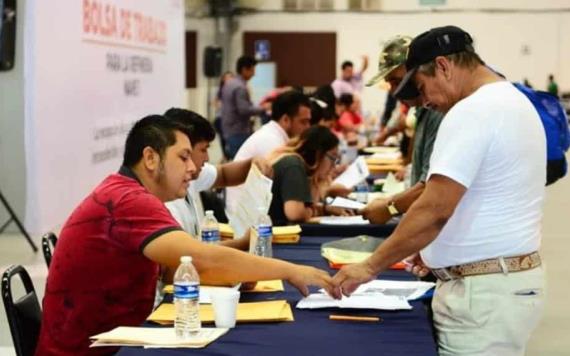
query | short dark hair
[245, 62]
[346, 64]
[288, 103]
[154, 131]
[346, 99]
[202, 130]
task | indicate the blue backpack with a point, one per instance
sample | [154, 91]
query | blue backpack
[555, 124]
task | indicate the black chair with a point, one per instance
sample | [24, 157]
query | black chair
[24, 315]
[49, 241]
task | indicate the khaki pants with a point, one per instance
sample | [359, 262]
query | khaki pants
[491, 314]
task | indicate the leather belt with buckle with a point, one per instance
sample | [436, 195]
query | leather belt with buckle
[494, 265]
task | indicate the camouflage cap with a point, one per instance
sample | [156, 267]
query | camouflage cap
[392, 55]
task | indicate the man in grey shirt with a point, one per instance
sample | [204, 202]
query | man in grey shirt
[391, 68]
[237, 107]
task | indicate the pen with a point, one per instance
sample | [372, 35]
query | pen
[354, 318]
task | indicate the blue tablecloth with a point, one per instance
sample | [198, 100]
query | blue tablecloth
[348, 230]
[401, 333]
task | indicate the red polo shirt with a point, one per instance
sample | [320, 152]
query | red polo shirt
[99, 278]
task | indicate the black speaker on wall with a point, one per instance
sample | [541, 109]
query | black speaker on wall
[212, 61]
[7, 34]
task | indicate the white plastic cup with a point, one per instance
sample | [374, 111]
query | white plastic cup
[225, 303]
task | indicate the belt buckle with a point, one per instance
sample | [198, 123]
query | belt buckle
[444, 274]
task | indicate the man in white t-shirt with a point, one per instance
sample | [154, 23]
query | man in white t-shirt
[477, 223]
[189, 212]
[349, 81]
[290, 116]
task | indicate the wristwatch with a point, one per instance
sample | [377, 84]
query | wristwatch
[392, 208]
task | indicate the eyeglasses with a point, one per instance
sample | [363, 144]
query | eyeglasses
[334, 159]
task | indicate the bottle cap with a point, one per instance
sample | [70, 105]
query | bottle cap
[186, 259]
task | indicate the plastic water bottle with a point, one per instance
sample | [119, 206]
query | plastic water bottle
[186, 299]
[210, 230]
[264, 230]
[362, 192]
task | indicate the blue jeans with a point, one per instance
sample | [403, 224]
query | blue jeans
[233, 143]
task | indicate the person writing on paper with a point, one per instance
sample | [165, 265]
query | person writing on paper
[392, 69]
[301, 170]
[104, 269]
[189, 211]
[477, 224]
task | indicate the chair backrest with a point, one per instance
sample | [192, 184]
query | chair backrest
[24, 315]
[49, 241]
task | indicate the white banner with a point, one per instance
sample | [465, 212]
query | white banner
[92, 68]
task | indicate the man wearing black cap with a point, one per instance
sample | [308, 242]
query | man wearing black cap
[477, 224]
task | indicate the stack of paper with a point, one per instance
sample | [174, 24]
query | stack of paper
[155, 337]
[322, 300]
[354, 174]
[340, 220]
[254, 193]
[377, 294]
[281, 234]
[270, 311]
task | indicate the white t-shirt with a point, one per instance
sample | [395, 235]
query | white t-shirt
[269, 137]
[189, 211]
[493, 143]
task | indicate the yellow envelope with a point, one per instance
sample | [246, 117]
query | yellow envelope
[270, 311]
[267, 286]
[373, 161]
[288, 231]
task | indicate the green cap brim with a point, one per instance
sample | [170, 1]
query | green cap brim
[381, 75]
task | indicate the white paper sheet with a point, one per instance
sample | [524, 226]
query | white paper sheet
[322, 300]
[386, 155]
[343, 220]
[392, 185]
[407, 289]
[255, 192]
[354, 174]
[340, 202]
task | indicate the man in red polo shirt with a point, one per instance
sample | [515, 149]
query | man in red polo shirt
[105, 267]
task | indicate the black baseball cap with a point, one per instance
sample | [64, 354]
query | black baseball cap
[439, 41]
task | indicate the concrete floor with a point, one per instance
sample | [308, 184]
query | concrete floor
[550, 339]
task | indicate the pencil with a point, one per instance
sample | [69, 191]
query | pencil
[354, 318]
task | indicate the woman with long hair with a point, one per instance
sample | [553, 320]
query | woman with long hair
[301, 171]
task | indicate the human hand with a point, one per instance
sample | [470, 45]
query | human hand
[303, 276]
[377, 211]
[264, 166]
[350, 277]
[401, 174]
[416, 265]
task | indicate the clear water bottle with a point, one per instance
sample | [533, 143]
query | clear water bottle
[210, 230]
[361, 190]
[264, 230]
[186, 299]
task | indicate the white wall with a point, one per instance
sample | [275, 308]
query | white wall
[12, 158]
[501, 29]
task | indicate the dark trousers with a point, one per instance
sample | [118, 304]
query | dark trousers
[233, 143]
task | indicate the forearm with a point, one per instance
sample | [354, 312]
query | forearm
[232, 173]
[419, 227]
[403, 201]
[215, 264]
[240, 244]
